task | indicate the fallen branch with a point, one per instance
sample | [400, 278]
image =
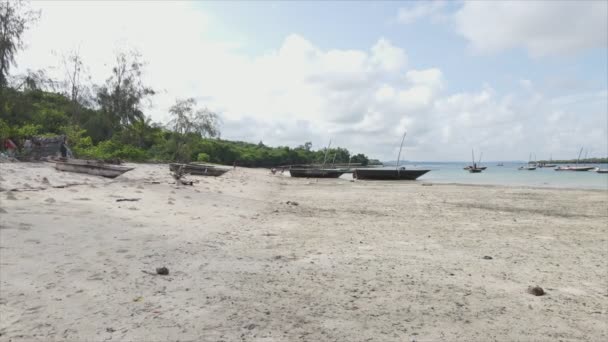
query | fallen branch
[127, 199]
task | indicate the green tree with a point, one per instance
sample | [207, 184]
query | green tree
[14, 20]
[122, 97]
[188, 125]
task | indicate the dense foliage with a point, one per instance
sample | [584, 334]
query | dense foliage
[573, 161]
[100, 134]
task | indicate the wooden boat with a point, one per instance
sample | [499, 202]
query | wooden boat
[388, 174]
[574, 168]
[549, 164]
[475, 168]
[531, 166]
[91, 167]
[315, 173]
[500, 164]
[398, 173]
[199, 169]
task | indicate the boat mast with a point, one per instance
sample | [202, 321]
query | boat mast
[479, 162]
[326, 152]
[399, 155]
[473, 157]
[579, 156]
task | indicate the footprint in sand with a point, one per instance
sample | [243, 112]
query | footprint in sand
[2, 211]
[10, 196]
[50, 200]
[96, 276]
[25, 226]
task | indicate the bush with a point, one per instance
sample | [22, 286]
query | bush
[202, 157]
[112, 150]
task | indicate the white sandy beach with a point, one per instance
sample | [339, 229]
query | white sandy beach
[352, 261]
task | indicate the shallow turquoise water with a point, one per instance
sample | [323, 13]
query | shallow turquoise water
[509, 175]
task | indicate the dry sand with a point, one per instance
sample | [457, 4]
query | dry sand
[352, 261]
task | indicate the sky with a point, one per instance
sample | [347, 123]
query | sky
[506, 78]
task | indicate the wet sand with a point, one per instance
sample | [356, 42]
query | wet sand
[348, 261]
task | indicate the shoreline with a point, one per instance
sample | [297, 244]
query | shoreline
[260, 257]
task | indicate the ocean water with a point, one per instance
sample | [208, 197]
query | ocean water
[508, 174]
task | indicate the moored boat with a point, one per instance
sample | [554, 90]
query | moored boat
[531, 166]
[601, 170]
[574, 168]
[475, 168]
[199, 169]
[91, 167]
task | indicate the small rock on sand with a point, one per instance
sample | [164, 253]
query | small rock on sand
[487, 257]
[162, 270]
[536, 290]
[50, 200]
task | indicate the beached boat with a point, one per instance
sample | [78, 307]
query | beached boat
[199, 169]
[316, 173]
[312, 171]
[398, 173]
[91, 167]
[388, 174]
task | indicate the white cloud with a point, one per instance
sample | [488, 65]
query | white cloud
[541, 27]
[298, 92]
[416, 10]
